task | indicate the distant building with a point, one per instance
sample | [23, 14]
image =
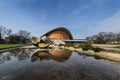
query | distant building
[76, 41]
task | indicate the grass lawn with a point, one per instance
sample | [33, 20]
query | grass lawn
[117, 47]
[9, 45]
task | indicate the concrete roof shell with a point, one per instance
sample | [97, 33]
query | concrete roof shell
[62, 29]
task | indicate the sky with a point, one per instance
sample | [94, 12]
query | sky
[82, 17]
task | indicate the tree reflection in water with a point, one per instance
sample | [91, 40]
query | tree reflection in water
[19, 54]
[23, 54]
[53, 54]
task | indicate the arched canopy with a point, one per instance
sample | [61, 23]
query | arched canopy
[59, 32]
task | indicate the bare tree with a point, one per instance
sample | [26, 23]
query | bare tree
[24, 35]
[118, 37]
[8, 32]
[105, 37]
[14, 38]
[2, 33]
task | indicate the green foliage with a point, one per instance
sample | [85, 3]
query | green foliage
[90, 47]
[97, 49]
[87, 47]
[62, 44]
[67, 45]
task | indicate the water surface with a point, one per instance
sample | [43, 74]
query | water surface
[55, 64]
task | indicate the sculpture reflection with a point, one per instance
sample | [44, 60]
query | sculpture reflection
[58, 55]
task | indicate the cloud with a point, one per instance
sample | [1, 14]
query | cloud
[80, 9]
[43, 16]
[110, 24]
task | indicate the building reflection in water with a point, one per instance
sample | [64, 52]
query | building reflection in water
[23, 54]
[59, 55]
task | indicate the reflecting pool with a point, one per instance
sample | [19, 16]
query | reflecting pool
[55, 64]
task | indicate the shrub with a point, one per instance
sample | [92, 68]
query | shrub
[90, 47]
[87, 47]
[84, 48]
[117, 47]
[97, 49]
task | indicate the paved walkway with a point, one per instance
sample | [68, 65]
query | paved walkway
[29, 47]
[112, 49]
[105, 45]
